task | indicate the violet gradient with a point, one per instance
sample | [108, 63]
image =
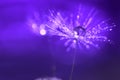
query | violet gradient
[25, 56]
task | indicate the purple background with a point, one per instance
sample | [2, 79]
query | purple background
[26, 56]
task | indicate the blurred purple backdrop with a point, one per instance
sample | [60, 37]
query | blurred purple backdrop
[26, 56]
